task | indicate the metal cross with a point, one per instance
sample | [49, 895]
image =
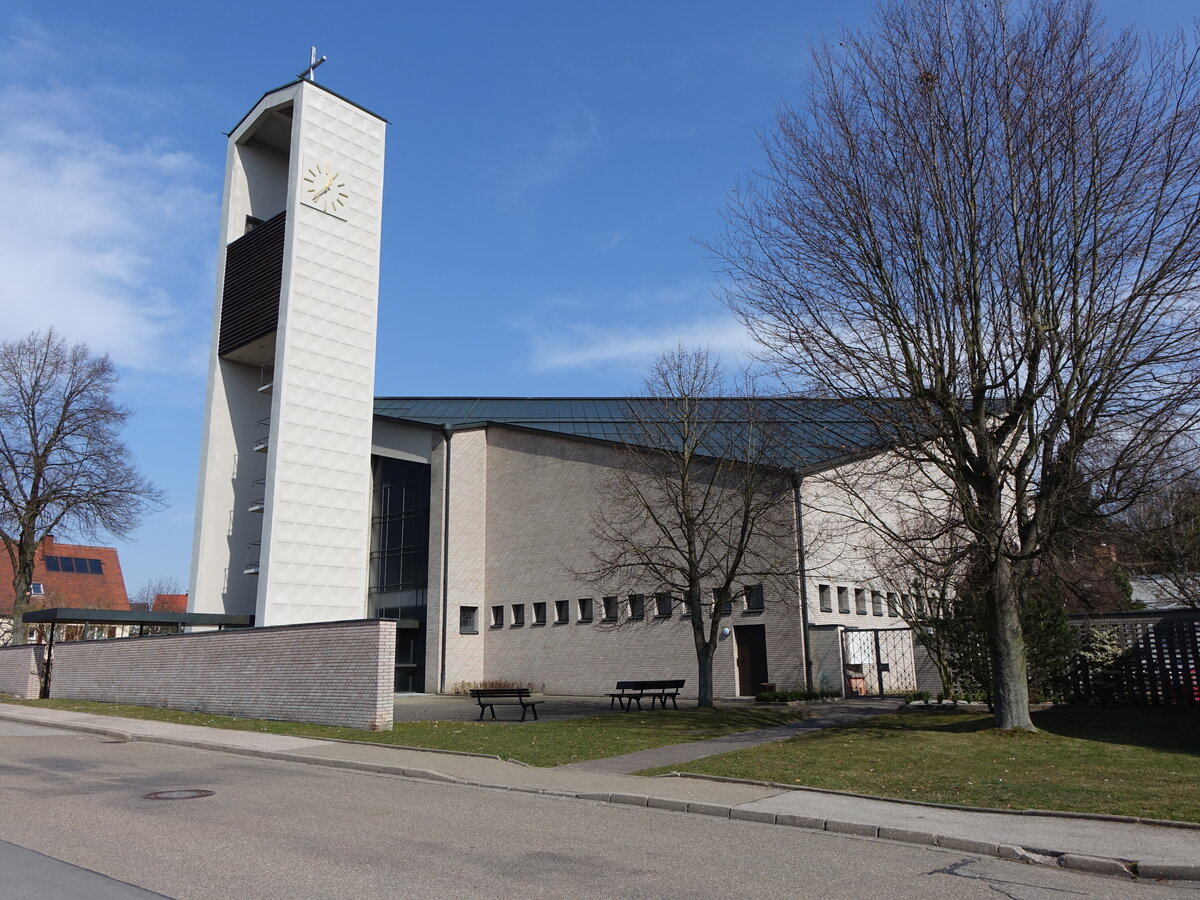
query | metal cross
[313, 62]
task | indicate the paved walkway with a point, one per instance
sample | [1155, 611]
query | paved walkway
[1104, 845]
[819, 716]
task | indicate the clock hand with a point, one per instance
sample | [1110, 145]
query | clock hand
[328, 185]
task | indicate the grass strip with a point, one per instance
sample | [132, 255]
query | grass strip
[537, 743]
[1120, 761]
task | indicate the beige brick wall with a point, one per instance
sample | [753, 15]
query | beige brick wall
[20, 670]
[467, 552]
[540, 493]
[843, 508]
[334, 673]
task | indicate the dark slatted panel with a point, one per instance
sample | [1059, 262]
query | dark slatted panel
[253, 277]
[1158, 662]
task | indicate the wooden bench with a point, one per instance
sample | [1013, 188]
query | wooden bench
[489, 697]
[631, 692]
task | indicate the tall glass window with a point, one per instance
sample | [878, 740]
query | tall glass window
[399, 578]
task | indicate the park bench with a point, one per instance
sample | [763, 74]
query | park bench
[489, 698]
[631, 692]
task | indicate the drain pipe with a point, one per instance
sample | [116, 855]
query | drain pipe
[802, 574]
[447, 431]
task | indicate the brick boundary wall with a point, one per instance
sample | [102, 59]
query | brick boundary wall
[328, 673]
[21, 670]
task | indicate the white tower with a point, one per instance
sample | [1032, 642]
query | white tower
[283, 505]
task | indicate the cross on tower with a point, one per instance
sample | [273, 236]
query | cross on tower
[313, 62]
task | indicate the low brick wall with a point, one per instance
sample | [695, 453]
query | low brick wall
[20, 670]
[330, 673]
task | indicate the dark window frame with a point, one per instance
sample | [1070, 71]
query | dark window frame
[637, 607]
[611, 609]
[825, 598]
[754, 599]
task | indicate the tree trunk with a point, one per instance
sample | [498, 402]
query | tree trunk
[22, 581]
[705, 651]
[1010, 681]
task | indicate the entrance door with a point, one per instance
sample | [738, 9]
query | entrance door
[751, 641]
[410, 660]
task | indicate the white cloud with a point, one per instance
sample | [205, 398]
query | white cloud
[575, 139]
[100, 238]
[637, 326]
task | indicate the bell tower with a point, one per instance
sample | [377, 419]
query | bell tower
[283, 503]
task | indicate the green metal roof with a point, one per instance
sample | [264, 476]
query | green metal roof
[806, 433]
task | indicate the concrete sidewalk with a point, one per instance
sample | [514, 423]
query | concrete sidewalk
[1103, 845]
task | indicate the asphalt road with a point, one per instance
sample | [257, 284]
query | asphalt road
[278, 829]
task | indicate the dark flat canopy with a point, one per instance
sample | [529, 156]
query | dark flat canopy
[61, 615]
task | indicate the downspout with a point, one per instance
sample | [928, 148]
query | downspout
[802, 574]
[447, 431]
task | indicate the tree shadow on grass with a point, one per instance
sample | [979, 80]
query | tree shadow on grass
[1169, 729]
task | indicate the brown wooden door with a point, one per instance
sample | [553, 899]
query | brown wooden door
[751, 641]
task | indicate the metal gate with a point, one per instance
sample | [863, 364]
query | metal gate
[878, 661]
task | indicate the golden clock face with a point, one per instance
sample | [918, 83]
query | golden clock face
[324, 188]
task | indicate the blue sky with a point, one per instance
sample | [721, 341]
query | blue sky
[551, 168]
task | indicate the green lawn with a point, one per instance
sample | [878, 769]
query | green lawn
[1138, 762]
[536, 743]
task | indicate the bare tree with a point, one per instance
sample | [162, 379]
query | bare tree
[62, 464]
[990, 212]
[1162, 541]
[155, 587]
[698, 503]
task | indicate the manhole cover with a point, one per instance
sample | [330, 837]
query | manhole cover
[177, 795]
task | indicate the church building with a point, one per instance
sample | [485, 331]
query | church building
[466, 520]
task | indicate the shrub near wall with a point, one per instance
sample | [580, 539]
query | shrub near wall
[330, 673]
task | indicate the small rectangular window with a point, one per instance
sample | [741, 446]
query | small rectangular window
[37, 590]
[860, 601]
[876, 603]
[721, 598]
[662, 606]
[562, 612]
[468, 620]
[610, 609]
[843, 600]
[891, 603]
[94, 567]
[497, 616]
[585, 609]
[906, 605]
[754, 597]
[52, 564]
[826, 598]
[539, 614]
[518, 615]
[637, 606]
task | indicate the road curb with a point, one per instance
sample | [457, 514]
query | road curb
[1098, 865]
[1044, 813]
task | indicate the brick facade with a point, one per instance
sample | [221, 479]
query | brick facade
[20, 670]
[521, 526]
[335, 673]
